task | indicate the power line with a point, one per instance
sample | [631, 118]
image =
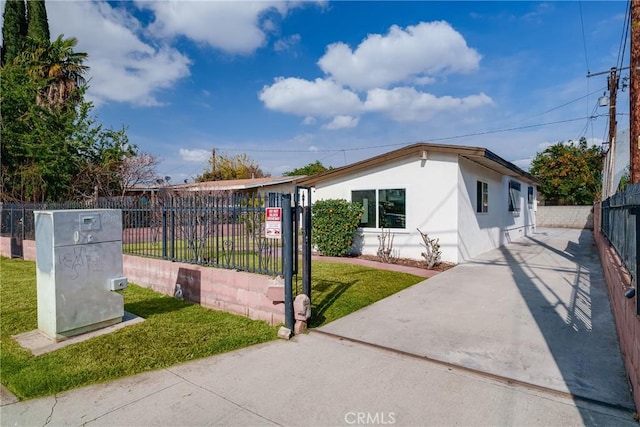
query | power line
[570, 102]
[625, 31]
[444, 138]
[584, 40]
[590, 120]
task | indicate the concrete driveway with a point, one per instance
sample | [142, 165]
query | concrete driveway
[535, 310]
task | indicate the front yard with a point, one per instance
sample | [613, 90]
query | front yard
[175, 331]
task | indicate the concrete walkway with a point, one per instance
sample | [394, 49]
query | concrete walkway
[535, 311]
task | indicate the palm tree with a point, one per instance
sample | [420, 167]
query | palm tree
[58, 69]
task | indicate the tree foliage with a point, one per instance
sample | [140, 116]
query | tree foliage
[38, 25]
[334, 225]
[58, 70]
[14, 30]
[569, 173]
[52, 148]
[310, 169]
[223, 167]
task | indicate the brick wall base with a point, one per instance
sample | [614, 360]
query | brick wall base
[624, 309]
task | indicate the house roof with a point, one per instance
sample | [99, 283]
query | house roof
[238, 184]
[478, 155]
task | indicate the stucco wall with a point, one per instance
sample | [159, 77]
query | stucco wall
[565, 216]
[431, 202]
[481, 232]
[441, 201]
[247, 294]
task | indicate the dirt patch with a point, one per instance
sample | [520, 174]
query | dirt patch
[410, 262]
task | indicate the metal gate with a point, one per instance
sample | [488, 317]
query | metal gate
[296, 246]
[13, 226]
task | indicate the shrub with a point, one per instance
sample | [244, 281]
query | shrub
[335, 222]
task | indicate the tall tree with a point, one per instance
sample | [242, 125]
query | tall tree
[223, 167]
[569, 173]
[37, 161]
[310, 169]
[37, 25]
[14, 30]
[58, 68]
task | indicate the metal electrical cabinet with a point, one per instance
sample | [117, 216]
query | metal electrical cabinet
[79, 264]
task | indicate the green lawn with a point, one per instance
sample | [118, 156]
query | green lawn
[339, 289]
[174, 331]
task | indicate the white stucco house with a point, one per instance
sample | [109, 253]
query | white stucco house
[468, 197]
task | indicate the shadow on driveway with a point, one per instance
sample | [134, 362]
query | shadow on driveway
[535, 310]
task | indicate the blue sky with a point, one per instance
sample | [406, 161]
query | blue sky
[290, 83]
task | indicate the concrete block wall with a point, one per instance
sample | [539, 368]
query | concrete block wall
[232, 291]
[28, 248]
[624, 309]
[219, 289]
[565, 216]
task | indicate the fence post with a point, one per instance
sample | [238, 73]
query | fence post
[164, 233]
[22, 224]
[306, 251]
[173, 232]
[287, 259]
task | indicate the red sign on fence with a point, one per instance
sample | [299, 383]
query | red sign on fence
[273, 220]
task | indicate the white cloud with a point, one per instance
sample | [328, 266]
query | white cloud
[309, 120]
[303, 138]
[342, 122]
[123, 67]
[422, 81]
[524, 164]
[287, 43]
[196, 155]
[407, 104]
[313, 148]
[401, 55]
[309, 98]
[234, 27]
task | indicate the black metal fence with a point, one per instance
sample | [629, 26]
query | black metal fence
[220, 229]
[620, 223]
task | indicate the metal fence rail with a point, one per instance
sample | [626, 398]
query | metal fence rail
[620, 219]
[219, 229]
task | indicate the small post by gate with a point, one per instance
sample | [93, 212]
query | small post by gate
[305, 210]
[287, 259]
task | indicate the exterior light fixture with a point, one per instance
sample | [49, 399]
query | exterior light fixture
[423, 155]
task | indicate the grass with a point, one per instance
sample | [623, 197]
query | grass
[339, 289]
[174, 331]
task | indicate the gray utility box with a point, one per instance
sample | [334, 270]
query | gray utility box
[79, 264]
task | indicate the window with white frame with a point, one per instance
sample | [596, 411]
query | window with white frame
[530, 195]
[482, 197]
[385, 208]
[514, 196]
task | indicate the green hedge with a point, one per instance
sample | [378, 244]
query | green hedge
[335, 222]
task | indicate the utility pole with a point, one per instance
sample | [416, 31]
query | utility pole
[613, 93]
[634, 95]
[609, 161]
[613, 127]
